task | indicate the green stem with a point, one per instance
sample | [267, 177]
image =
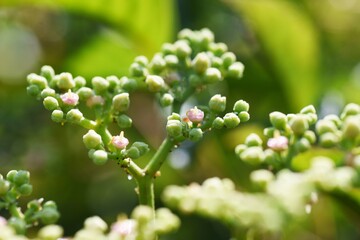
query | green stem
[146, 191]
[15, 211]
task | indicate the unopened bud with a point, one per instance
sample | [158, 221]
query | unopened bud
[278, 120]
[57, 116]
[157, 64]
[154, 83]
[240, 106]
[65, 81]
[171, 61]
[79, 82]
[174, 128]
[212, 75]
[85, 93]
[217, 103]
[182, 49]
[128, 84]
[231, 120]
[99, 84]
[201, 62]
[299, 124]
[74, 116]
[218, 123]
[195, 134]
[92, 140]
[244, 116]
[253, 140]
[236, 70]
[228, 59]
[121, 102]
[166, 100]
[124, 121]
[50, 103]
[47, 72]
[100, 157]
[195, 115]
[253, 155]
[278, 144]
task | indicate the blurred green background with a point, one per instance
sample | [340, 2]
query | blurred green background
[295, 53]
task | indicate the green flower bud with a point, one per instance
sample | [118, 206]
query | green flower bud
[79, 82]
[350, 109]
[333, 118]
[236, 70]
[57, 116]
[121, 102]
[240, 148]
[65, 81]
[34, 205]
[142, 147]
[182, 49]
[47, 92]
[253, 140]
[310, 136]
[47, 72]
[95, 224]
[217, 103]
[25, 189]
[186, 34]
[195, 80]
[308, 109]
[50, 103]
[228, 59]
[174, 116]
[244, 116]
[216, 62]
[50, 232]
[154, 83]
[18, 224]
[37, 80]
[195, 134]
[92, 140]
[10, 176]
[113, 82]
[269, 132]
[128, 84]
[99, 84]
[299, 124]
[231, 120]
[168, 48]
[74, 116]
[4, 186]
[33, 90]
[133, 153]
[351, 127]
[207, 36]
[212, 75]
[142, 60]
[157, 64]
[124, 121]
[50, 204]
[302, 145]
[240, 106]
[323, 126]
[329, 139]
[218, 123]
[253, 155]
[174, 128]
[171, 61]
[201, 62]
[262, 178]
[137, 70]
[166, 100]
[85, 93]
[21, 177]
[48, 215]
[100, 157]
[143, 214]
[218, 48]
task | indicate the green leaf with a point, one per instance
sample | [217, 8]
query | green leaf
[290, 43]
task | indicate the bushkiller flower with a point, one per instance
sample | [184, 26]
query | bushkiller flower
[278, 143]
[120, 141]
[124, 228]
[195, 115]
[70, 98]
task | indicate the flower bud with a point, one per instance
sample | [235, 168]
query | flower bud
[240, 148]
[70, 98]
[137, 70]
[182, 49]
[92, 140]
[231, 120]
[157, 64]
[96, 224]
[50, 103]
[21, 177]
[253, 155]
[195, 80]
[195, 115]
[166, 100]
[350, 109]
[74, 116]
[228, 58]
[99, 84]
[4, 186]
[121, 102]
[79, 82]
[216, 62]
[128, 84]
[299, 124]
[34, 205]
[302, 145]
[218, 48]
[195, 134]
[310, 136]
[25, 189]
[120, 142]
[207, 36]
[278, 144]
[47, 72]
[171, 61]
[10, 176]
[174, 128]
[168, 48]
[154, 83]
[201, 62]
[329, 139]
[240, 106]
[100, 157]
[49, 215]
[37, 80]
[244, 116]
[217, 103]
[124, 121]
[236, 70]
[94, 101]
[142, 60]
[57, 116]
[323, 126]
[47, 92]
[85, 93]
[351, 127]
[212, 75]
[133, 152]
[262, 178]
[65, 81]
[253, 140]
[218, 123]
[18, 224]
[33, 90]
[142, 147]
[50, 232]
[278, 120]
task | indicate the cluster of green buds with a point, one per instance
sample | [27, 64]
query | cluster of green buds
[15, 185]
[289, 135]
[204, 118]
[142, 226]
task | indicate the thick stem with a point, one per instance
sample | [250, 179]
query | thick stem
[146, 191]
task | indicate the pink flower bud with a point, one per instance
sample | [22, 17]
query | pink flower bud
[70, 98]
[195, 115]
[124, 227]
[95, 101]
[278, 143]
[120, 141]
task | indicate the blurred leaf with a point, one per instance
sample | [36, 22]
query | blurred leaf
[145, 24]
[290, 44]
